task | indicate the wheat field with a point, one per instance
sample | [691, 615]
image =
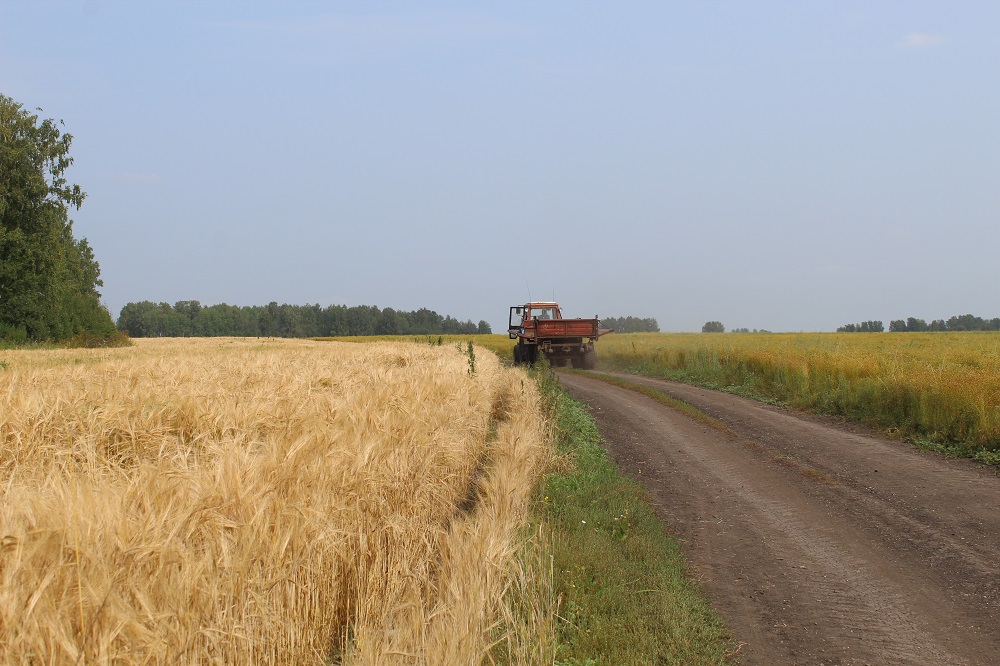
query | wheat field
[944, 387]
[268, 502]
[498, 343]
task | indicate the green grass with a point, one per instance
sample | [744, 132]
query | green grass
[624, 596]
[82, 340]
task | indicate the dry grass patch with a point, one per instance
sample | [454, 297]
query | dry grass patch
[246, 501]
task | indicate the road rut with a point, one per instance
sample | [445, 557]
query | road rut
[817, 542]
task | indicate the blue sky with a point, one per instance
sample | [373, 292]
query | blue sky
[779, 165]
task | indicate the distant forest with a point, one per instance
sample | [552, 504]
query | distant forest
[192, 319]
[960, 323]
[913, 325]
[631, 324]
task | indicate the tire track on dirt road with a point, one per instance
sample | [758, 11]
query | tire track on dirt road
[817, 542]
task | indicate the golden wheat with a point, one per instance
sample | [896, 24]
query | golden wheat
[498, 343]
[247, 501]
[941, 386]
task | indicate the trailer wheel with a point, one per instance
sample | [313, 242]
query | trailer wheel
[590, 359]
[578, 361]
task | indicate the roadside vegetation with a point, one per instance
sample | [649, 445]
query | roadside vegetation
[615, 587]
[941, 390]
[623, 596]
[676, 404]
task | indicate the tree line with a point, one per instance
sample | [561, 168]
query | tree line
[191, 319]
[48, 278]
[631, 324]
[718, 327]
[872, 326]
[965, 322]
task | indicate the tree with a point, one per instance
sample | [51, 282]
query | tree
[48, 279]
[631, 324]
[713, 327]
[967, 322]
[388, 323]
[190, 309]
[872, 326]
[140, 320]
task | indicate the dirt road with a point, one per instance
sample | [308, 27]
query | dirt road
[817, 542]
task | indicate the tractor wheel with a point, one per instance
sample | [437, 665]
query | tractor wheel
[518, 354]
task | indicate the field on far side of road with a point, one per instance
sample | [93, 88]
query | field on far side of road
[267, 501]
[943, 388]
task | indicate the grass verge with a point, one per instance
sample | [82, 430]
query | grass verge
[619, 578]
[685, 408]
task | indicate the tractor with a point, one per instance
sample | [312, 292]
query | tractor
[539, 327]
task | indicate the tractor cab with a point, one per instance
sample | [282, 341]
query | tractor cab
[522, 316]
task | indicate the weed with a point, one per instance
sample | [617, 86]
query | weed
[816, 475]
[987, 457]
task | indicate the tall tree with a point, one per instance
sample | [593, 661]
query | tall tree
[48, 279]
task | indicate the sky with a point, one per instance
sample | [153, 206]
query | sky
[789, 166]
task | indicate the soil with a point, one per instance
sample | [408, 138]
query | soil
[818, 542]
